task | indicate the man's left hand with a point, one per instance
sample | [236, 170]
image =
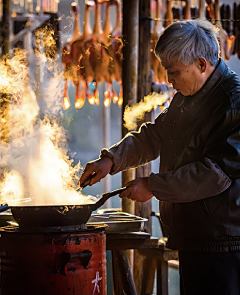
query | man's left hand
[137, 190]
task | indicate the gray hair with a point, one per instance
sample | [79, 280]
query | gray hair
[186, 41]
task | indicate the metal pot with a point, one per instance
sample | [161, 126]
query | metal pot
[47, 216]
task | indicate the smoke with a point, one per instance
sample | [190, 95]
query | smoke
[35, 166]
[13, 74]
[137, 111]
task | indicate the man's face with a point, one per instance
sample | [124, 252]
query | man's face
[185, 79]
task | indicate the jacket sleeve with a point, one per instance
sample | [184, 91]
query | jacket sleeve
[136, 148]
[190, 182]
[213, 174]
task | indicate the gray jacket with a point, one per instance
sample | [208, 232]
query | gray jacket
[198, 184]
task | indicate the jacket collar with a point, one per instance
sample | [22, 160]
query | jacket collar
[203, 94]
[212, 81]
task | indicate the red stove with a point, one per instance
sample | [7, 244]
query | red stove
[53, 261]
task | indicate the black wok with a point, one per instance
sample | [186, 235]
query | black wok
[47, 216]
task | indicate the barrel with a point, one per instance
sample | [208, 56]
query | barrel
[53, 263]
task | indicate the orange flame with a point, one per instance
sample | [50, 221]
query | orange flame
[79, 102]
[96, 97]
[66, 100]
[107, 99]
[115, 97]
[120, 99]
[91, 99]
[66, 103]
[79, 99]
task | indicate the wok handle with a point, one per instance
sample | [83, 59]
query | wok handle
[105, 197]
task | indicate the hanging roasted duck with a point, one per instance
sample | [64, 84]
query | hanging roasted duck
[158, 69]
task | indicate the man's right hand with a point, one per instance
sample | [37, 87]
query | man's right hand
[95, 171]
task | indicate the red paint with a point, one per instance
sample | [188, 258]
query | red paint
[53, 263]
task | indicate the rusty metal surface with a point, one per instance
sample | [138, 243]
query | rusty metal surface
[53, 264]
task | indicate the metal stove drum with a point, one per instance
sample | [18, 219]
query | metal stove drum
[53, 260]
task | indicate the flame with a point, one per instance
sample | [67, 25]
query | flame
[91, 99]
[66, 103]
[66, 100]
[120, 99]
[107, 99]
[96, 100]
[79, 102]
[79, 99]
[13, 187]
[115, 97]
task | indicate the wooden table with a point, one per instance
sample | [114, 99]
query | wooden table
[152, 248]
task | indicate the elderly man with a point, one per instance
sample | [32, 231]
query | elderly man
[198, 141]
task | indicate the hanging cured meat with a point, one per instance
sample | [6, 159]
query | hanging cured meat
[82, 71]
[187, 10]
[226, 43]
[66, 50]
[168, 14]
[81, 47]
[235, 27]
[71, 69]
[158, 69]
[177, 12]
[238, 18]
[194, 12]
[115, 46]
[210, 14]
[115, 52]
[95, 55]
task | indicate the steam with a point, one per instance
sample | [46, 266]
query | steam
[13, 76]
[34, 161]
[137, 111]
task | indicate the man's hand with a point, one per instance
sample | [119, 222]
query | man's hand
[95, 171]
[137, 190]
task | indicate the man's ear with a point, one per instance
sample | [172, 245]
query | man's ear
[202, 63]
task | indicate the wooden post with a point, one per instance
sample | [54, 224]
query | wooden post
[5, 34]
[144, 88]
[129, 73]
